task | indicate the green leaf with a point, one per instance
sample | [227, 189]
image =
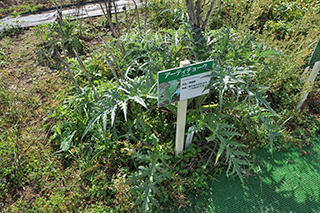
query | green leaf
[258, 95]
[66, 143]
[104, 120]
[123, 106]
[168, 94]
[221, 149]
[113, 114]
[92, 122]
[139, 100]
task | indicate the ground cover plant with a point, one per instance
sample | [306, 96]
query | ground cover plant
[94, 139]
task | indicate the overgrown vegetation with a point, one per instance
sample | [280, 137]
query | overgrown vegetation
[105, 146]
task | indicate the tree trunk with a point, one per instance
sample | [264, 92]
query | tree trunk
[195, 11]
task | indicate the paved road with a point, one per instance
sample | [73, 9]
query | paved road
[51, 15]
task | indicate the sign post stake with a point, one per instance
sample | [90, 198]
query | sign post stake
[180, 84]
[309, 83]
[181, 123]
[315, 61]
[181, 119]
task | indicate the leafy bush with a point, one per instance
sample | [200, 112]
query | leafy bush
[102, 131]
[150, 177]
[168, 15]
[71, 35]
[151, 51]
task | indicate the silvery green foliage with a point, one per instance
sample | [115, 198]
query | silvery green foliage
[117, 97]
[71, 32]
[236, 59]
[151, 51]
[238, 80]
[144, 55]
[149, 177]
[223, 134]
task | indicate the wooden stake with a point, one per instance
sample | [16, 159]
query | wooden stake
[181, 119]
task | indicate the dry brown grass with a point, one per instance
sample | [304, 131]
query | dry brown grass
[30, 90]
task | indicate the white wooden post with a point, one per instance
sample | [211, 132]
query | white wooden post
[181, 119]
[309, 83]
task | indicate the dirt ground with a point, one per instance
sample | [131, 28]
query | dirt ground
[29, 80]
[30, 87]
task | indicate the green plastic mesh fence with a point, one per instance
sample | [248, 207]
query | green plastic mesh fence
[286, 181]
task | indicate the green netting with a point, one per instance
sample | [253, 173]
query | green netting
[288, 181]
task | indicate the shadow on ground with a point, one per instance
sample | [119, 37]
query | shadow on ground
[289, 181]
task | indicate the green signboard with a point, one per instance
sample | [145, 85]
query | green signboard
[183, 83]
[315, 55]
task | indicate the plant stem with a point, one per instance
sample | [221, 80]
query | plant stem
[86, 73]
[146, 15]
[108, 17]
[69, 70]
[60, 21]
[114, 58]
[115, 12]
[209, 13]
[112, 70]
